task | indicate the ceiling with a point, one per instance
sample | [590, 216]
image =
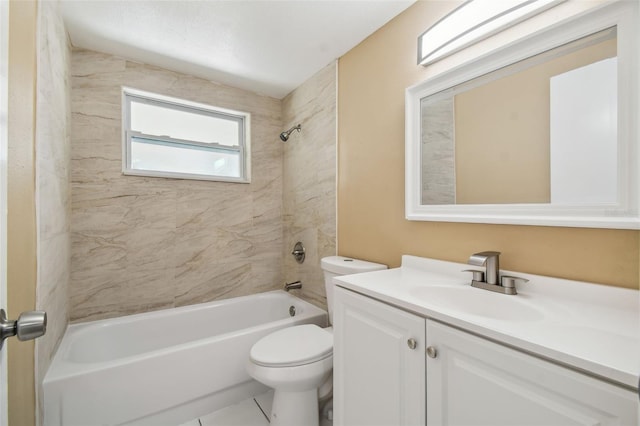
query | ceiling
[265, 46]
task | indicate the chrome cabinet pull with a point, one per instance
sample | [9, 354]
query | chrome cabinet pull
[412, 343]
[432, 352]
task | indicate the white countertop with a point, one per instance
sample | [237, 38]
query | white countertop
[590, 327]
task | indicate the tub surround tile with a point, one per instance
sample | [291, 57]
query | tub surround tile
[266, 234]
[54, 194]
[266, 274]
[310, 181]
[438, 152]
[53, 191]
[199, 286]
[99, 292]
[147, 289]
[89, 64]
[196, 241]
[54, 265]
[148, 243]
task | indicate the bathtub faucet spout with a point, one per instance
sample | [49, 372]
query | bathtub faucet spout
[293, 286]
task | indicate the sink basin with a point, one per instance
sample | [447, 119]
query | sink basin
[481, 303]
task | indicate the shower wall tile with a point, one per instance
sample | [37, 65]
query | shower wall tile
[438, 152]
[309, 207]
[53, 191]
[141, 243]
[231, 279]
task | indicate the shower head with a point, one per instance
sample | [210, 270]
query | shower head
[284, 136]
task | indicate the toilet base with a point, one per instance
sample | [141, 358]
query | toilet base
[298, 408]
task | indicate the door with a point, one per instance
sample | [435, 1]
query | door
[4, 71]
[471, 380]
[379, 363]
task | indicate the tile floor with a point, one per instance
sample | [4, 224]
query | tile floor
[250, 412]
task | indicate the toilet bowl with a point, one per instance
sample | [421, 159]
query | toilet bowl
[297, 362]
[294, 361]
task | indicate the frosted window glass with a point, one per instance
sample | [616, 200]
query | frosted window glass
[174, 138]
[164, 157]
[177, 124]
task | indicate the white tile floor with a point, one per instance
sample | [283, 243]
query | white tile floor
[250, 412]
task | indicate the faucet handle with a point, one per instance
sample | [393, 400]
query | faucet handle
[509, 281]
[476, 274]
[480, 258]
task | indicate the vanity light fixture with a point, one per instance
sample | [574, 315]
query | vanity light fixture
[474, 21]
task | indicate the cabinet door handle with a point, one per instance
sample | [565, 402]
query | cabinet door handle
[412, 343]
[432, 352]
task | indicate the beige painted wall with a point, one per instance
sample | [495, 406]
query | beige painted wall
[371, 223]
[141, 243]
[21, 218]
[506, 124]
[310, 181]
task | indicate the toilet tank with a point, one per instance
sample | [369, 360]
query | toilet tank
[334, 266]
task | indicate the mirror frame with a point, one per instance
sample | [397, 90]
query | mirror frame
[622, 215]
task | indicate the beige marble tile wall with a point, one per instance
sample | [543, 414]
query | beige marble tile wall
[310, 181]
[53, 189]
[438, 152]
[140, 244]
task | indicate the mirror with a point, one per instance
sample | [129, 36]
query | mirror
[548, 122]
[537, 133]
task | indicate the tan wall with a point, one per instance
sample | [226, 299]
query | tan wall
[310, 181]
[141, 243]
[21, 219]
[371, 224]
[506, 124]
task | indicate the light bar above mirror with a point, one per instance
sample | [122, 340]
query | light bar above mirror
[474, 21]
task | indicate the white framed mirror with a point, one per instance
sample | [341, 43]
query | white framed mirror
[543, 131]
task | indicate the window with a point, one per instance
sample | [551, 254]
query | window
[174, 138]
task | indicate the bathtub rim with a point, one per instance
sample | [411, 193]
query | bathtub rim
[61, 368]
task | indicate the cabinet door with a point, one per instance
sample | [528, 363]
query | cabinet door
[473, 381]
[378, 373]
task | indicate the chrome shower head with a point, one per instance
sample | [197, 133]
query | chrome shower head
[284, 136]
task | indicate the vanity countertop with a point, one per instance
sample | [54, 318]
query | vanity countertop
[589, 327]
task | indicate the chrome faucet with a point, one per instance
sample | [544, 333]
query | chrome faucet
[492, 261]
[491, 280]
[293, 286]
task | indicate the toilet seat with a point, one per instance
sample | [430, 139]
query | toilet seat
[293, 346]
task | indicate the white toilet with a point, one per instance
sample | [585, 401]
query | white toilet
[297, 361]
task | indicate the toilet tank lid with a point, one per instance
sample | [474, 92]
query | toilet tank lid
[345, 265]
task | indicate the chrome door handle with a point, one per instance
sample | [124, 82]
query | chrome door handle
[30, 324]
[412, 343]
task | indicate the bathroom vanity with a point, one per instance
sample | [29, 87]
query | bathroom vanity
[418, 345]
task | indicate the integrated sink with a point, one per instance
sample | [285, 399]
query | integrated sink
[481, 303]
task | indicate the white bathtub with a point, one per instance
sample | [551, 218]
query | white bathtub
[164, 367]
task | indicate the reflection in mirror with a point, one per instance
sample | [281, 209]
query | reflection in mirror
[540, 131]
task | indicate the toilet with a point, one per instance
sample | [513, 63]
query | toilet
[297, 361]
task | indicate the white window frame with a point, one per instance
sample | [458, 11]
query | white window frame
[244, 148]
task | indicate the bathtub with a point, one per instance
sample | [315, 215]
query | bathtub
[164, 367]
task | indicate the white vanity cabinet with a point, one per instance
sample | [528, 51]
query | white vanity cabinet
[472, 380]
[378, 363]
[392, 367]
